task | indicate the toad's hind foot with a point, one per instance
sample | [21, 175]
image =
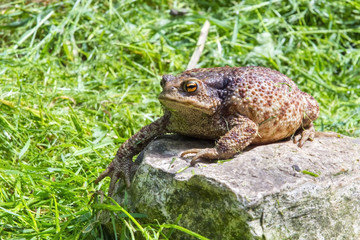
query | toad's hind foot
[305, 134]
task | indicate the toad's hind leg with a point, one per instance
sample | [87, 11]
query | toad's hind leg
[241, 134]
[311, 111]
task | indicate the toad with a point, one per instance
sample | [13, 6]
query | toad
[236, 106]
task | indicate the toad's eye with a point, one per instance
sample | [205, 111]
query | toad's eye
[190, 86]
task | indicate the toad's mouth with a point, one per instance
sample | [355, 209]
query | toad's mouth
[181, 106]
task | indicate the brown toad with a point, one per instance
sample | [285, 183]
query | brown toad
[236, 106]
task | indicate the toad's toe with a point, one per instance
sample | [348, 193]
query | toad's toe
[204, 154]
[190, 151]
[306, 134]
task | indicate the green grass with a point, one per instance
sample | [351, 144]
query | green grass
[80, 77]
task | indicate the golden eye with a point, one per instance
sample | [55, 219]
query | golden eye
[190, 86]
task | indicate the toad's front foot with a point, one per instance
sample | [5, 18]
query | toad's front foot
[117, 169]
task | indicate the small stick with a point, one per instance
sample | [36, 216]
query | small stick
[199, 46]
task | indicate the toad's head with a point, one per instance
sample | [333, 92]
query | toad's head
[194, 89]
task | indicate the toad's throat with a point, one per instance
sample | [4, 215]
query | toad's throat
[176, 105]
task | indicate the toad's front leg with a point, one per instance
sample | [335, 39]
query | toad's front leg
[241, 134]
[122, 166]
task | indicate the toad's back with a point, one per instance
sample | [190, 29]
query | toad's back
[271, 100]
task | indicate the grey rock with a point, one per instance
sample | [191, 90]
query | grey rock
[265, 192]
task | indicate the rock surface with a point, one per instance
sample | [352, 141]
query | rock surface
[265, 192]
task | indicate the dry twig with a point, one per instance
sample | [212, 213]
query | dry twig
[199, 46]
